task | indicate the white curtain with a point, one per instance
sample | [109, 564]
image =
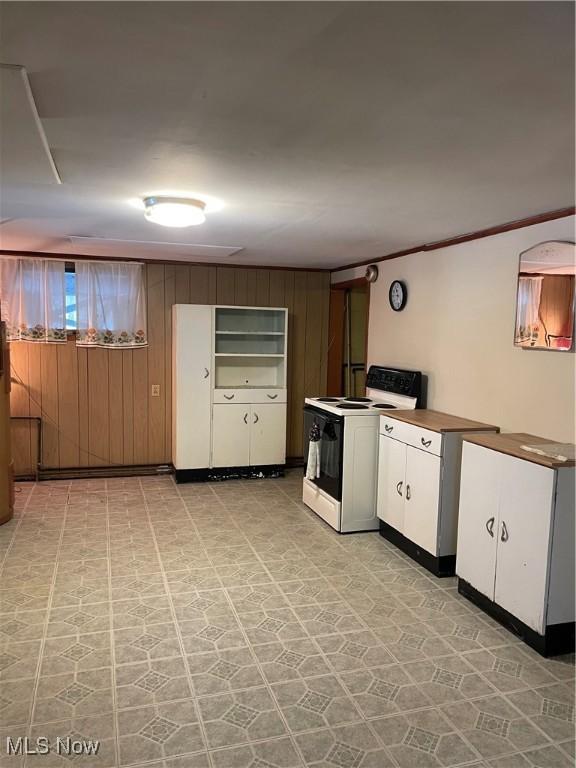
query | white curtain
[528, 309]
[33, 297]
[111, 304]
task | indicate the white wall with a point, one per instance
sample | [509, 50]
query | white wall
[458, 328]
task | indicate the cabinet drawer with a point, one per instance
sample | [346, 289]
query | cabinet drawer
[250, 396]
[421, 438]
[324, 506]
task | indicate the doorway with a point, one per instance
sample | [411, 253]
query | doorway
[348, 338]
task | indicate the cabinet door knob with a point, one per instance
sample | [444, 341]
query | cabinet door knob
[255, 418]
[504, 535]
[245, 418]
[206, 373]
[408, 494]
[426, 443]
[490, 526]
[399, 487]
[387, 428]
[272, 397]
[229, 397]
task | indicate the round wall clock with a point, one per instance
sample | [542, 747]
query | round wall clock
[397, 295]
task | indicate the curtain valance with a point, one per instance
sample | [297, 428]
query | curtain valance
[111, 304]
[33, 296]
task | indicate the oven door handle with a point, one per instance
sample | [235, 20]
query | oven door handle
[322, 415]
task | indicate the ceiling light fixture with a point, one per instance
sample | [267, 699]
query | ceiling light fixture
[174, 211]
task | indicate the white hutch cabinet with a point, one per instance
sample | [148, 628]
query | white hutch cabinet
[418, 483]
[228, 390]
[516, 538]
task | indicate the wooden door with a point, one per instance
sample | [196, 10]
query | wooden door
[478, 518]
[268, 433]
[335, 386]
[525, 512]
[391, 482]
[422, 493]
[230, 435]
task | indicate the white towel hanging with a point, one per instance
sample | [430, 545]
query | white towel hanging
[313, 463]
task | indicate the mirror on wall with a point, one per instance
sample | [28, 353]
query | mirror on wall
[545, 299]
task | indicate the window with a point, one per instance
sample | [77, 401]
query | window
[103, 302]
[70, 286]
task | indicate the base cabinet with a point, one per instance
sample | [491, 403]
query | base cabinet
[422, 499]
[515, 516]
[268, 434]
[477, 521]
[244, 434]
[408, 492]
[230, 435]
[391, 481]
[418, 483]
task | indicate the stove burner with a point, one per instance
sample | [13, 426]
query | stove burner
[357, 400]
[327, 399]
[346, 404]
[383, 405]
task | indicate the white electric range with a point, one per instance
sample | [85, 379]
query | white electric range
[342, 490]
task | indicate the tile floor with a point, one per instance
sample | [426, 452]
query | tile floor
[224, 626]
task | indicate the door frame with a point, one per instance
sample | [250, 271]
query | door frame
[336, 332]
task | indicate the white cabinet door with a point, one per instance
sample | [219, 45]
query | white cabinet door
[268, 434]
[525, 511]
[391, 485]
[230, 435]
[478, 518]
[422, 493]
[191, 385]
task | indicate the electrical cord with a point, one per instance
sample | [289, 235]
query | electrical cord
[55, 424]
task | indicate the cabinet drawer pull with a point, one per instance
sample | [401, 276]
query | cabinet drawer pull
[272, 397]
[490, 526]
[229, 397]
[206, 373]
[426, 443]
[399, 487]
[245, 418]
[408, 494]
[387, 428]
[504, 535]
[255, 418]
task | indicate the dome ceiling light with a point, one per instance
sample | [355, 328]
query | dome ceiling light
[174, 211]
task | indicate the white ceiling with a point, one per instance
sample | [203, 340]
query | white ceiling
[333, 132]
[550, 258]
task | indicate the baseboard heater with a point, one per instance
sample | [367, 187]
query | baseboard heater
[79, 473]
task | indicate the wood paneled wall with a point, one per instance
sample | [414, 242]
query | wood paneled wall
[96, 404]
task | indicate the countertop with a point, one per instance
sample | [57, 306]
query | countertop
[436, 421]
[512, 443]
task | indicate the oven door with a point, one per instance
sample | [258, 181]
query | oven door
[331, 449]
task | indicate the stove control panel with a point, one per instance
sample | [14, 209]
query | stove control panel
[400, 382]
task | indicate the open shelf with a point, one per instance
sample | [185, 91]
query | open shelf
[250, 347]
[249, 386]
[246, 354]
[244, 331]
[253, 371]
[250, 333]
[250, 320]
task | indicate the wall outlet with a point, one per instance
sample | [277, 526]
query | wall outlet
[155, 390]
